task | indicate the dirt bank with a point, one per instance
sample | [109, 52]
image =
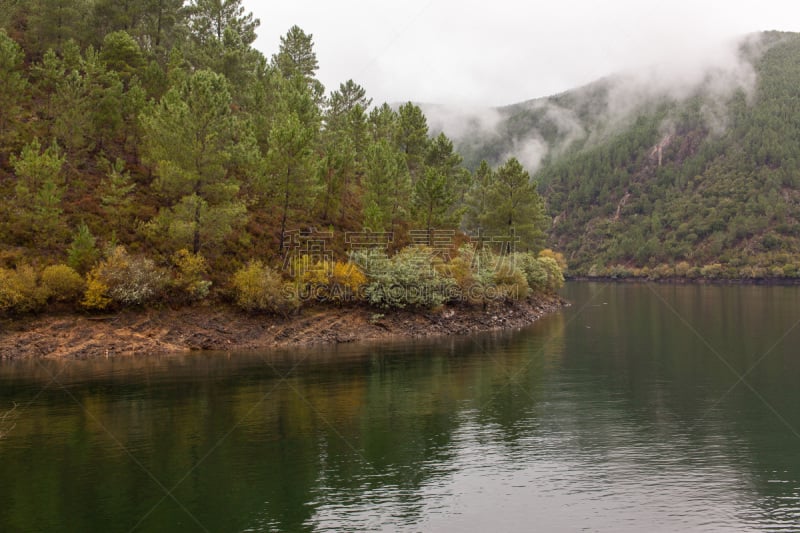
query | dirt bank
[223, 328]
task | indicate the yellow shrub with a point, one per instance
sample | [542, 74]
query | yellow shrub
[329, 281]
[712, 271]
[558, 256]
[257, 287]
[682, 269]
[19, 291]
[317, 274]
[95, 296]
[191, 272]
[62, 283]
[462, 272]
[346, 282]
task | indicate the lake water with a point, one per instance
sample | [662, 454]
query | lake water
[639, 408]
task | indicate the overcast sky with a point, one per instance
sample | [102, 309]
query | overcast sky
[497, 52]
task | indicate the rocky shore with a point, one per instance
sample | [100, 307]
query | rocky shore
[160, 331]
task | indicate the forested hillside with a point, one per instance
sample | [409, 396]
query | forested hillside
[148, 153]
[646, 181]
[677, 191]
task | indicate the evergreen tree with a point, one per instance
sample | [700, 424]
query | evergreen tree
[387, 187]
[192, 139]
[210, 19]
[222, 33]
[288, 164]
[13, 85]
[344, 142]
[121, 54]
[117, 189]
[297, 61]
[112, 16]
[477, 199]
[412, 138]
[442, 155]
[514, 208]
[52, 23]
[383, 122]
[434, 198]
[39, 189]
[82, 252]
[163, 24]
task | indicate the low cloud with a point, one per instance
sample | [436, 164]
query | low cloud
[599, 109]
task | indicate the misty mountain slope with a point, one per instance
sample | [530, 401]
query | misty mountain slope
[690, 167]
[528, 130]
[679, 185]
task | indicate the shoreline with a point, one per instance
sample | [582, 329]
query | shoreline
[225, 328]
[689, 281]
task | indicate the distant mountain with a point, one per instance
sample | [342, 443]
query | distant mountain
[700, 175]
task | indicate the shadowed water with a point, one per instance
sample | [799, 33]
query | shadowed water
[624, 412]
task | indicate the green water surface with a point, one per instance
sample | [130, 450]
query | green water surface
[639, 408]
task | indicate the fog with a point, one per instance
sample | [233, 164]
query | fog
[718, 73]
[463, 61]
[503, 52]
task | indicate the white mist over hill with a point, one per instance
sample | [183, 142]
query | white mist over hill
[606, 105]
[497, 53]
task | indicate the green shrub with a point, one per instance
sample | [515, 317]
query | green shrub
[662, 271]
[509, 279]
[257, 287]
[19, 290]
[618, 272]
[753, 272]
[62, 283]
[775, 272]
[712, 271]
[555, 278]
[682, 269]
[791, 270]
[82, 252]
[471, 271]
[409, 279]
[535, 273]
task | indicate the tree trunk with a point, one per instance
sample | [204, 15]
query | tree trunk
[285, 210]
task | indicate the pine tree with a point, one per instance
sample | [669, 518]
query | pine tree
[387, 187]
[477, 199]
[192, 139]
[13, 84]
[222, 34]
[82, 252]
[344, 140]
[288, 164]
[514, 207]
[297, 61]
[412, 138]
[434, 197]
[117, 189]
[39, 190]
[53, 23]
[383, 122]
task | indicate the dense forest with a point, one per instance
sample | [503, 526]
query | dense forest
[150, 155]
[705, 185]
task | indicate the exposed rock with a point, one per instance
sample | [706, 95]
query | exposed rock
[223, 328]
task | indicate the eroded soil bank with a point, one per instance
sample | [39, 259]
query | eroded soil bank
[162, 331]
